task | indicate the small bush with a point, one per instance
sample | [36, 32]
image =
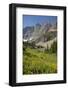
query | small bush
[54, 47]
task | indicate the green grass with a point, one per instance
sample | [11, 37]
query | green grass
[38, 62]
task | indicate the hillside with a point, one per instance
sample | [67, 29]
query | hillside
[40, 49]
[47, 44]
[37, 62]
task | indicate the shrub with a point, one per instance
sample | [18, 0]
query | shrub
[53, 48]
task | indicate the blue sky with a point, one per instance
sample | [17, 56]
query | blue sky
[31, 20]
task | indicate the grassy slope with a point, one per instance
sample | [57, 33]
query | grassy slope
[37, 62]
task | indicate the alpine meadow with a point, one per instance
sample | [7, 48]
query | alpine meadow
[39, 44]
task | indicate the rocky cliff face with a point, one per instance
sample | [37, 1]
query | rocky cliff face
[40, 33]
